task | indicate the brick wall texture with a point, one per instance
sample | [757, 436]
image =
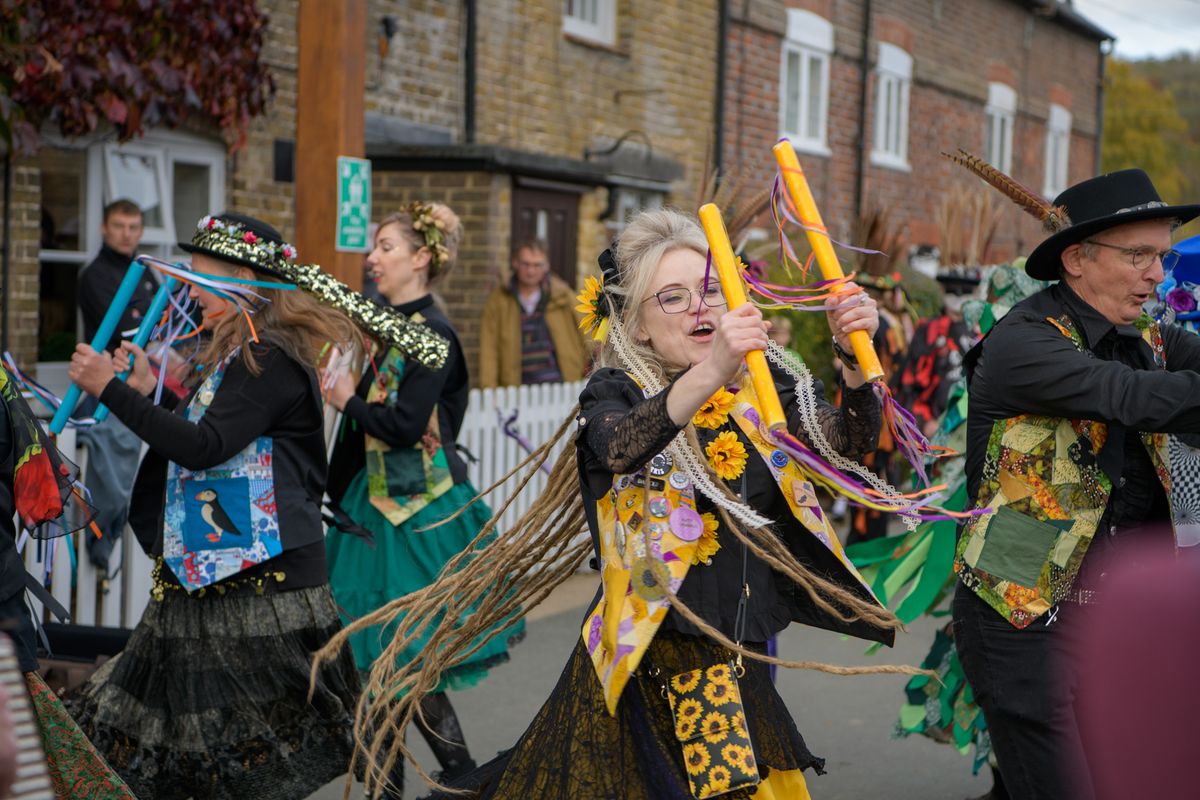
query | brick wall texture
[541, 91]
[20, 310]
[956, 48]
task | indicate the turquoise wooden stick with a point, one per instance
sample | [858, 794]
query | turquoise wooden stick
[142, 337]
[108, 326]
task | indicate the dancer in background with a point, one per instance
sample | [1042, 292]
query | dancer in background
[210, 698]
[397, 473]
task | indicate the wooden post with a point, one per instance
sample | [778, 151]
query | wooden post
[329, 123]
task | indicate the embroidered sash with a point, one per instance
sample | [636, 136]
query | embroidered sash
[647, 540]
[403, 480]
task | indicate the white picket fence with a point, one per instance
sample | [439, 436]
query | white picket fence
[119, 601]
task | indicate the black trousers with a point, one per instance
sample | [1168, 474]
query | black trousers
[1025, 683]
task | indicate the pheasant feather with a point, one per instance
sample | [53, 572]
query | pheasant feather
[1053, 218]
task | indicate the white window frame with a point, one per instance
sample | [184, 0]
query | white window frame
[1001, 115]
[630, 200]
[893, 85]
[809, 38]
[160, 234]
[172, 147]
[1058, 151]
[593, 20]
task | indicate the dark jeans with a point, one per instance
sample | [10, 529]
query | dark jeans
[1024, 682]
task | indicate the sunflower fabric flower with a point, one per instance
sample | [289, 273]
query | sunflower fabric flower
[726, 455]
[707, 545]
[715, 411]
[595, 320]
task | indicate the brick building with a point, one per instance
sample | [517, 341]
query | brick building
[558, 118]
[871, 93]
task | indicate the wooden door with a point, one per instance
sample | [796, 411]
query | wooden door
[552, 216]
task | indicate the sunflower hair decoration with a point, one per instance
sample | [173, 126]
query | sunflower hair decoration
[595, 302]
[431, 229]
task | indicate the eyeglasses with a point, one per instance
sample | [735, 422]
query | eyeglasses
[1142, 257]
[678, 300]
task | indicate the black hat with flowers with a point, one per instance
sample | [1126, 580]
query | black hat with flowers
[245, 241]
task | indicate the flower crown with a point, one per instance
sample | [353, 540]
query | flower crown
[595, 304]
[431, 229]
[233, 240]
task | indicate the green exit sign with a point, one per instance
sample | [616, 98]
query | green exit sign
[354, 204]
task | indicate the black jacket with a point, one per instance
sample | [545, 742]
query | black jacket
[98, 285]
[282, 402]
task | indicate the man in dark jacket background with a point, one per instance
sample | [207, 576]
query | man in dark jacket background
[112, 449]
[122, 232]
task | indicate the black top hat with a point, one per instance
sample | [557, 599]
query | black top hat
[245, 241]
[1096, 205]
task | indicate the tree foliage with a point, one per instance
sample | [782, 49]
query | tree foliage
[1143, 128]
[71, 66]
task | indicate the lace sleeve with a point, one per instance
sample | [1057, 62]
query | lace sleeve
[625, 440]
[853, 428]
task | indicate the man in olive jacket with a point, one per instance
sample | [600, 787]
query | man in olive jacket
[530, 331]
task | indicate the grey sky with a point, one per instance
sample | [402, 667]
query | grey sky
[1146, 28]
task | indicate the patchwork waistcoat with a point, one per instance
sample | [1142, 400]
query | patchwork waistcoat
[1045, 494]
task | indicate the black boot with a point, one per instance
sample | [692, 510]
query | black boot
[445, 737]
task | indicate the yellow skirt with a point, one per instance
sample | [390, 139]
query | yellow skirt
[787, 785]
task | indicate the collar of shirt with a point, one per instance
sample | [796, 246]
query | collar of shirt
[1092, 324]
[413, 306]
[529, 304]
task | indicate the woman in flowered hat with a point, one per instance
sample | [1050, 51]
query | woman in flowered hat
[210, 698]
[709, 541]
[397, 473]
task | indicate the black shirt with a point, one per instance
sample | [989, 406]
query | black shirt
[624, 430]
[1027, 366]
[98, 285]
[403, 423]
[282, 402]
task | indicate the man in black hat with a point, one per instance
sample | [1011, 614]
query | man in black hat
[1071, 395]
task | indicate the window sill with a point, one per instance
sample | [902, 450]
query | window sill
[595, 44]
[890, 161]
[808, 147]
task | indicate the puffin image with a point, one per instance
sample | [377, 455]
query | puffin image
[217, 517]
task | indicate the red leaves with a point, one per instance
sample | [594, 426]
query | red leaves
[133, 63]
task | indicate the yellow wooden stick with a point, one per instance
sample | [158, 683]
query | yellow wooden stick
[827, 260]
[735, 296]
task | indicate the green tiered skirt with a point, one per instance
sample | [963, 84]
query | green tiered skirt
[403, 559]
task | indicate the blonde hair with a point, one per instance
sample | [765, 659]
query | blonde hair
[646, 240]
[492, 583]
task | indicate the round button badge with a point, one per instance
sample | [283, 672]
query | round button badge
[686, 524]
[680, 481]
[660, 507]
[779, 459]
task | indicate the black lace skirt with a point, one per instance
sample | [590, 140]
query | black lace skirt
[209, 699]
[574, 750]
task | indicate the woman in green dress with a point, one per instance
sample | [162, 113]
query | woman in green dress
[396, 472]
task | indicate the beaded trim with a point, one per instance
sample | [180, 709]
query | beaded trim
[160, 587]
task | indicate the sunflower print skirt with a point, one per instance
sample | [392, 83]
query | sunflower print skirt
[574, 750]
